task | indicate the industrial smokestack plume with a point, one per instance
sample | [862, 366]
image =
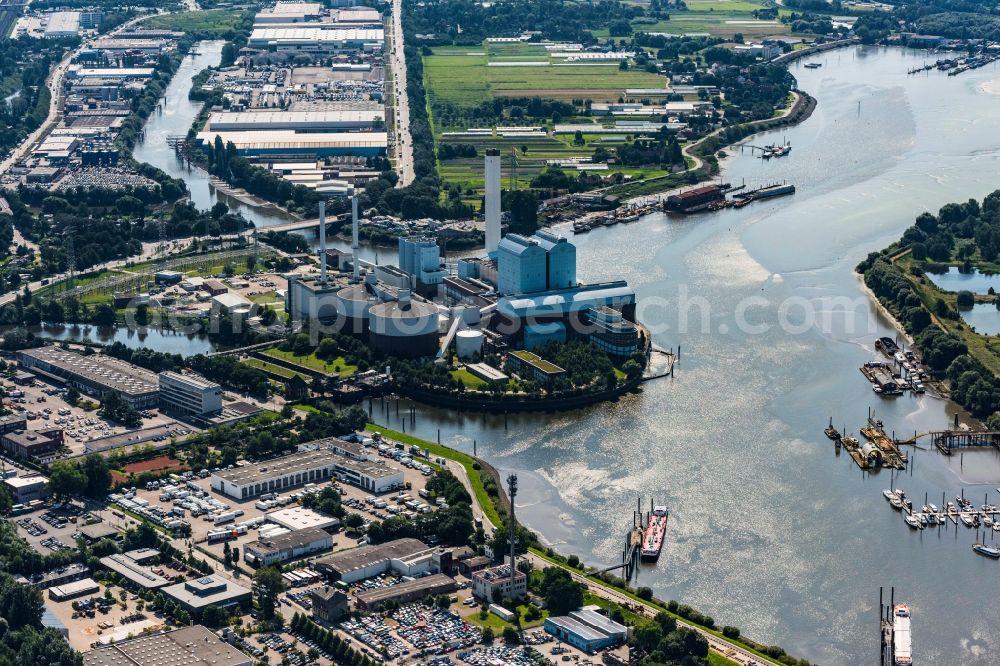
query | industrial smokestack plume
[492, 199]
[354, 233]
[322, 242]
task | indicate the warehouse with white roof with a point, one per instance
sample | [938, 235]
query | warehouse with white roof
[289, 142]
[317, 38]
[312, 121]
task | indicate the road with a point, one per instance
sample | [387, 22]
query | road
[397, 63]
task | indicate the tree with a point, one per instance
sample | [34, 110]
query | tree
[213, 616]
[98, 475]
[66, 479]
[562, 594]
[72, 395]
[267, 583]
[965, 299]
[488, 635]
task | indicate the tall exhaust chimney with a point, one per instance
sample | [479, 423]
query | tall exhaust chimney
[354, 233]
[322, 242]
[492, 199]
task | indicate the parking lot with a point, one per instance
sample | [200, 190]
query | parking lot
[51, 529]
[45, 407]
[98, 619]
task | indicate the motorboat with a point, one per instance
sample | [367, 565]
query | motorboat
[967, 520]
[888, 494]
[988, 551]
[912, 521]
[897, 503]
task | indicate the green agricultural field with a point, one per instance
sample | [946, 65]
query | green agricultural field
[468, 172]
[463, 76]
[716, 17]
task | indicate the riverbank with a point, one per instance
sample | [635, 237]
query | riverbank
[494, 511]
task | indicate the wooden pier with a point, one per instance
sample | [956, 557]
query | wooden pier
[950, 440]
[888, 447]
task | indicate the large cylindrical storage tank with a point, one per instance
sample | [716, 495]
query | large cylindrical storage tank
[404, 328]
[468, 343]
[353, 306]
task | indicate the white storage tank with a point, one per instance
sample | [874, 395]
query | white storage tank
[353, 305]
[468, 343]
[404, 327]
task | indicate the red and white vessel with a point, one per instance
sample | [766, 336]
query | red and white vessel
[652, 539]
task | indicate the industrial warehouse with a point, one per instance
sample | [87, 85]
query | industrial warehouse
[98, 375]
[304, 467]
[94, 375]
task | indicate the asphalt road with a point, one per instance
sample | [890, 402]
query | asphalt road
[397, 62]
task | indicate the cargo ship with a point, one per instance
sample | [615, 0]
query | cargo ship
[901, 652]
[652, 540]
[773, 191]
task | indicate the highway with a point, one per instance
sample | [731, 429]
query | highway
[397, 63]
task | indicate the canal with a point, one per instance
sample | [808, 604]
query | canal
[770, 531]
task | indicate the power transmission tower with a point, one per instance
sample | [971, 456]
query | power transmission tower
[512, 493]
[513, 169]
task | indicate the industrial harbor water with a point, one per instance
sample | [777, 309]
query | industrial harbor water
[769, 530]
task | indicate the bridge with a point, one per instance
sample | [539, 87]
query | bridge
[303, 225]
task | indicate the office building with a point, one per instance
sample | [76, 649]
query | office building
[94, 375]
[24, 489]
[193, 646]
[587, 630]
[494, 583]
[32, 444]
[305, 467]
[189, 394]
[329, 604]
[530, 366]
[286, 547]
[420, 256]
[608, 329]
[194, 595]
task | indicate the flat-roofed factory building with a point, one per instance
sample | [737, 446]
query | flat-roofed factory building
[285, 547]
[304, 467]
[195, 595]
[95, 375]
[195, 645]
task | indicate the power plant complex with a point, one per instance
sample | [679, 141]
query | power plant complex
[522, 293]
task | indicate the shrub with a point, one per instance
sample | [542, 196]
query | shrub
[644, 593]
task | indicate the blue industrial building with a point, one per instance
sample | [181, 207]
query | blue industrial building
[521, 265]
[420, 256]
[545, 261]
[560, 259]
[587, 630]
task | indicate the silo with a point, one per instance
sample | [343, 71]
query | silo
[468, 343]
[405, 327]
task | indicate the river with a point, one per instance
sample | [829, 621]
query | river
[769, 530]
